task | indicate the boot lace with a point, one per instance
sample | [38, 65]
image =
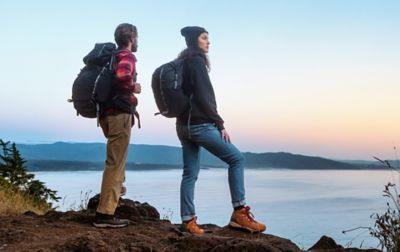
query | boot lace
[249, 215]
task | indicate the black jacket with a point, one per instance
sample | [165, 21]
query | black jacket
[203, 105]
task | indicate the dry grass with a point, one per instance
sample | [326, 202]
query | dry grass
[13, 202]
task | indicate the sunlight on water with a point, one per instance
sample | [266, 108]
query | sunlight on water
[301, 205]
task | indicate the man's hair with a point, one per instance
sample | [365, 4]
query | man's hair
[124, 33]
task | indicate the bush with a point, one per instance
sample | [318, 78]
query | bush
[14, 177]
[15, 202]
[387, 225]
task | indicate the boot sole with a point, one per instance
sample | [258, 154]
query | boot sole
[238, 226]
[106, 225]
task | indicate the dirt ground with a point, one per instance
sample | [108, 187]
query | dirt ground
[73, 231]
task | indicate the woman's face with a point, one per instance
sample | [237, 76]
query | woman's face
[203, 41]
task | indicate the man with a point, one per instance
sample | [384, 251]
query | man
[116, 121]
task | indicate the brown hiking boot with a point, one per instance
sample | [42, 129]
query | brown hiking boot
[244, 219]
[192, 227]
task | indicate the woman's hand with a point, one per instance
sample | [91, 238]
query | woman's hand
[225, 136]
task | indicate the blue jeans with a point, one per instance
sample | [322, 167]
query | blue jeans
[208, 136]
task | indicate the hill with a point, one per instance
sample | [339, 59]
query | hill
[294, 161]
[95, 152]
[92, 155]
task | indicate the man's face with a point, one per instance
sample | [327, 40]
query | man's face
[134, 46]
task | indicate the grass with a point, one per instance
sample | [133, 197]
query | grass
[84, 201]
[387, 225]
[13, 202]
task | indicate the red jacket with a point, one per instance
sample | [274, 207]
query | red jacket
[123, 100]
[125, 77]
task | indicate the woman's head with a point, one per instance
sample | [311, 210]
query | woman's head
[197, 43]
[196, 38]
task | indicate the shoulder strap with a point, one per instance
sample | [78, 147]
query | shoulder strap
[114, 55]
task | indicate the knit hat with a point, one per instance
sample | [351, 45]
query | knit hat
[191, 34]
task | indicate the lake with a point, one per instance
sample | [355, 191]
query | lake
[300, 205]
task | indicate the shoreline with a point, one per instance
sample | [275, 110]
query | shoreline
[63, 165]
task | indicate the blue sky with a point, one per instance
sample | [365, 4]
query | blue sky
[309, 77]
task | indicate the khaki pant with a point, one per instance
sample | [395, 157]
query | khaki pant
[117, 130]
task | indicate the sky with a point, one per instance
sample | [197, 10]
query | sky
[311, 77]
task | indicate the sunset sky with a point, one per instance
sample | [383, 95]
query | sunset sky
[312, 77]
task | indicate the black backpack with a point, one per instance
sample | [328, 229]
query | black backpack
[167, 84]
[92, 87]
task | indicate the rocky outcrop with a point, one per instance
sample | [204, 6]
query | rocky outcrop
[128, 209]
[73, 231]
[327, 244]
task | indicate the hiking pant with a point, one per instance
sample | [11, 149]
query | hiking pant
[208, 136]
[117, 130]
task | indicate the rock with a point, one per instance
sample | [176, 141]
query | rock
[128, 209]
[73, 231]
[327, 244]
[30, 213]
[255, 242]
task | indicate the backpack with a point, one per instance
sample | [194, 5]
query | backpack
[93, 84]
[167, 83]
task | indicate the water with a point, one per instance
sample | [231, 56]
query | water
[301, 205]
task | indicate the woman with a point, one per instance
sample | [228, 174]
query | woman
[201, 126]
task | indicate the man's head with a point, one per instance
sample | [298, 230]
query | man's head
[126, 35]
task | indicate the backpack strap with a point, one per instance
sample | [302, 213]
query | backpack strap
[98, 114]
[190, 108]
[114, 55]
[136, 114]
[190, 114]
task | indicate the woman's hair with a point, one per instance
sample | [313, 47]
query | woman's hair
[124, 33]
[190, 52]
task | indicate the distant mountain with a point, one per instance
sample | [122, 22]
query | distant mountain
[373, 164]
[92, 156]
[288, 160]
[60, 165]
[96, 152]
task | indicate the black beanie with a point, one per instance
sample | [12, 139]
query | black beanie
[191, 34]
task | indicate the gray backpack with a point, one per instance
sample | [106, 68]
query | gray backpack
[167, 83]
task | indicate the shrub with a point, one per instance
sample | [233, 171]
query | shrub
[387, 225]
[15, 178]
[15, 202]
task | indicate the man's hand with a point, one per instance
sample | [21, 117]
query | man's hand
[137, 88]
[225, 136]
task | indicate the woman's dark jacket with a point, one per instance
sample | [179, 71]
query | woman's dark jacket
[203, 104]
